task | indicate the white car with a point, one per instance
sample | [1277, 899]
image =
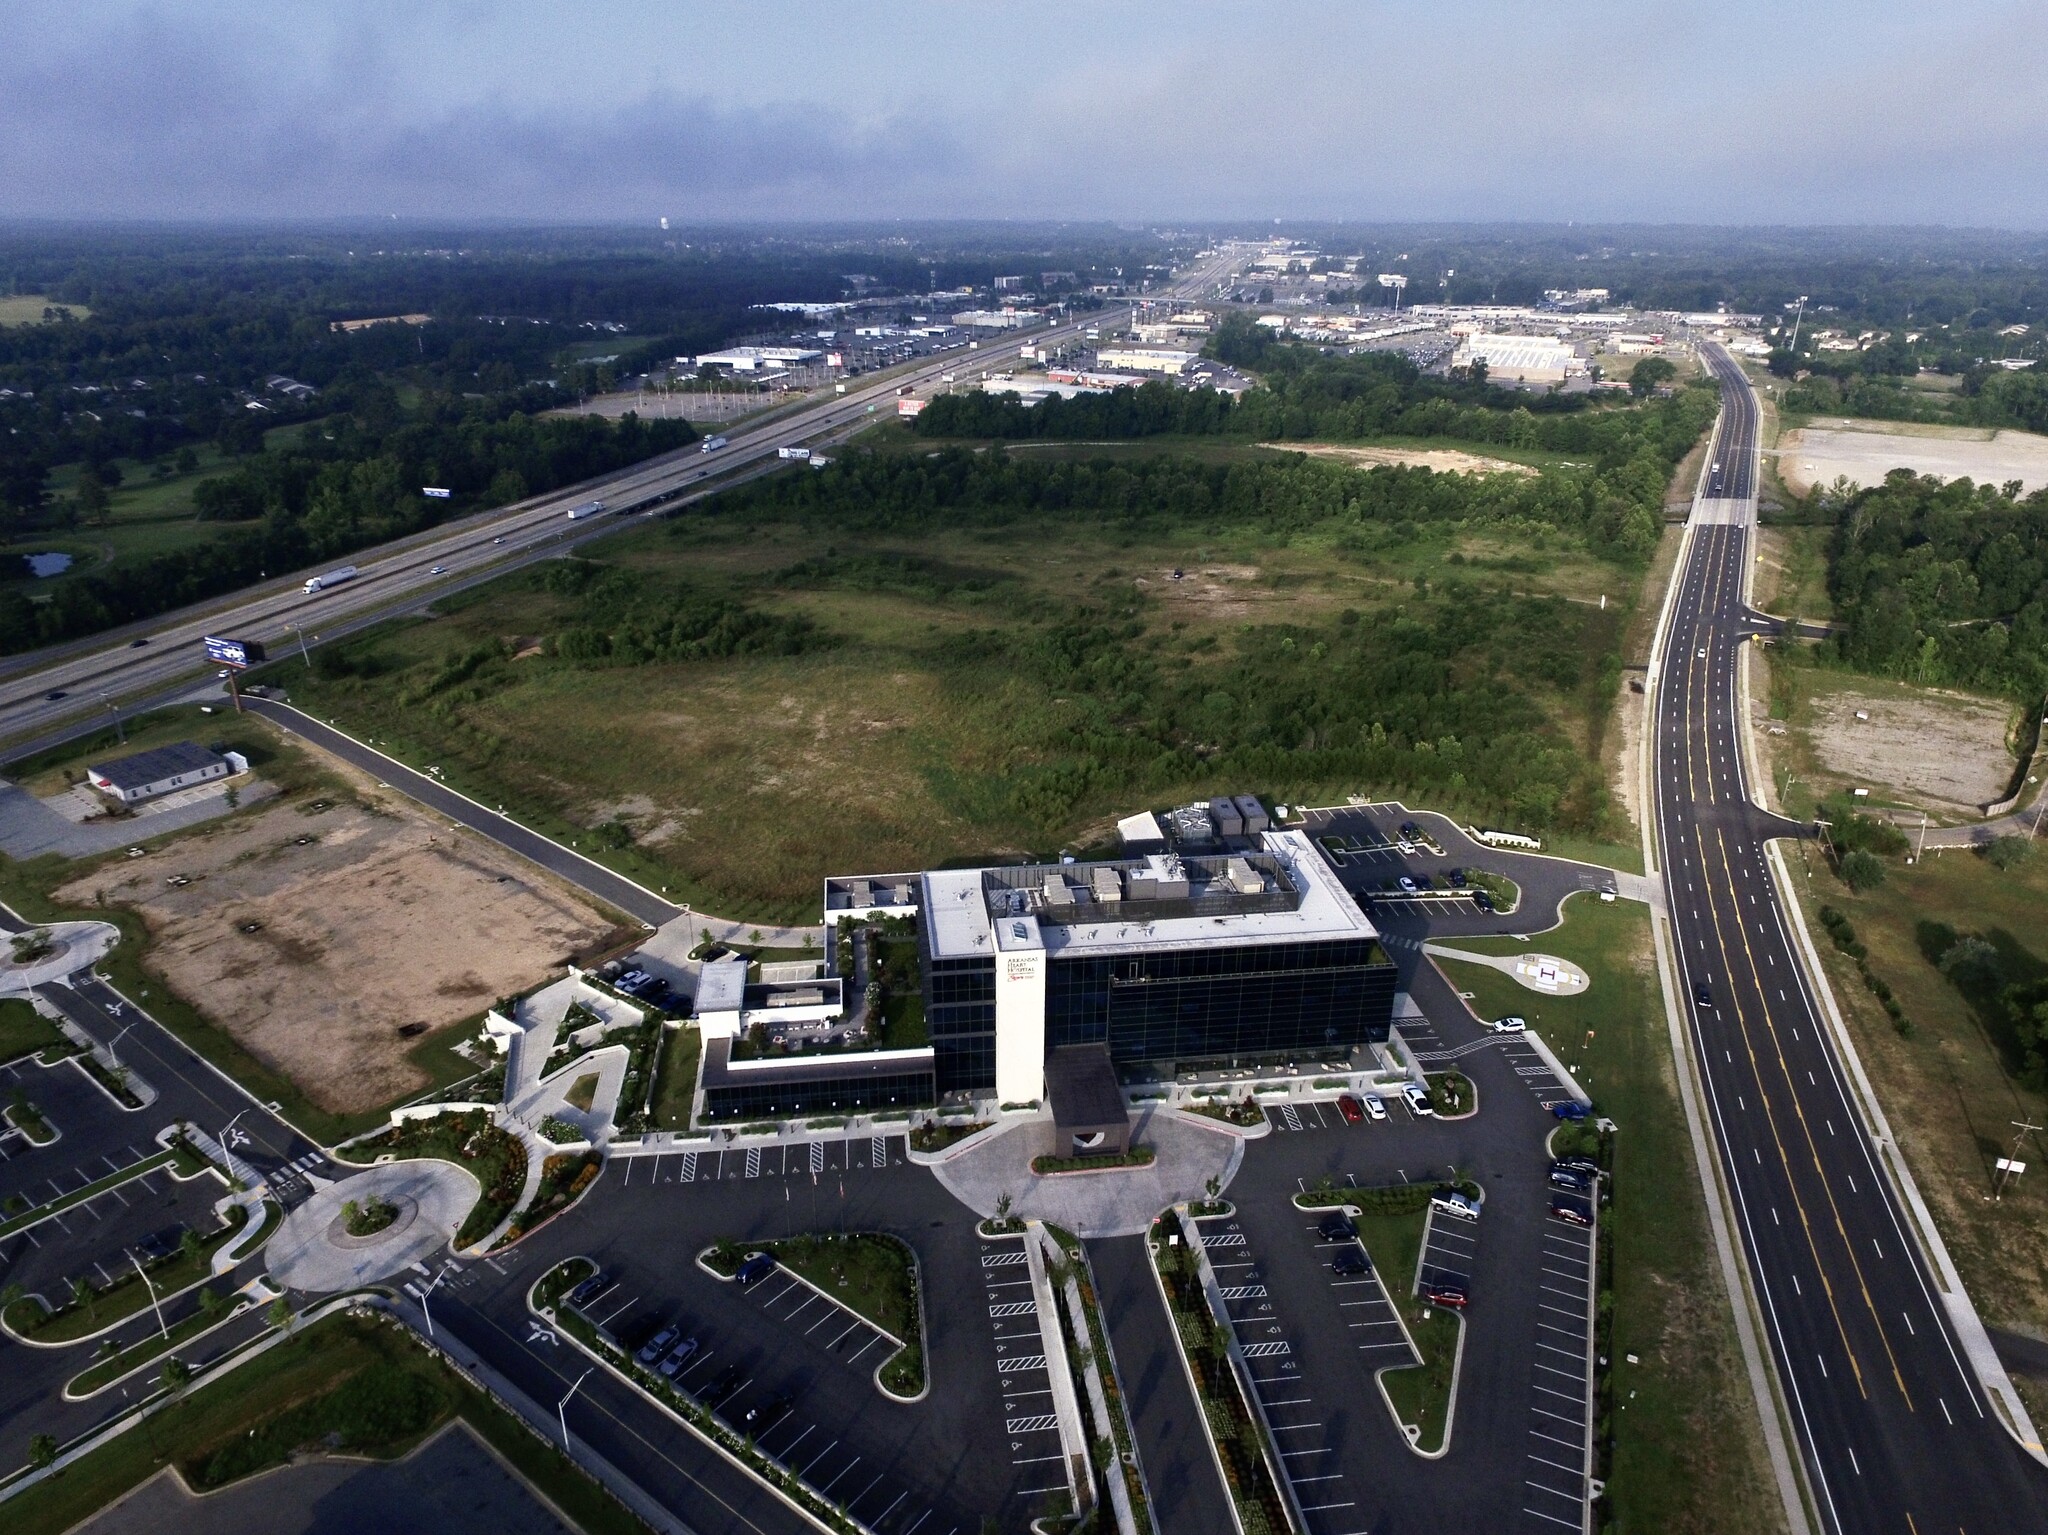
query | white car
[1407, 885]
[1417, 1101]
[1375, 1106]
[438, 570]
[1510, 1024]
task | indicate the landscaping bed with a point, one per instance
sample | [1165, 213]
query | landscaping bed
[1137, 1156]
[1419, 1394]
[1384, 1199]
[1111, 1454]
[111, 1367]
[874, 1275]
[468, 1140]
[562, 1182]
[1243, 1112]
[1451, 1093]
[930, 1136]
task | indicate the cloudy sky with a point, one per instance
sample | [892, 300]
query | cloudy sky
[1835, 111]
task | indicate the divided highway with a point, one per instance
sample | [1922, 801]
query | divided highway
[1892, 1426]
[94, 674]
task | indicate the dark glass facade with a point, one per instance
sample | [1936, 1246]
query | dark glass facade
[1246, 1001]
[960, 1017]
[743, 1095]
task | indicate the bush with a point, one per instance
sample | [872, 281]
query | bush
[1862, 870]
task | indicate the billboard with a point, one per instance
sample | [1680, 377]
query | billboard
[235, 653]
[436, 492]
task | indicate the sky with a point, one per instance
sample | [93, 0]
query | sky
[1826, 111]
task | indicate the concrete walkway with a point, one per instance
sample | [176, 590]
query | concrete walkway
[1546, 973]
[312, 1251]
[1119, 1202]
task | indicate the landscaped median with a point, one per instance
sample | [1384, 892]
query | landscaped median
[469, 1140]
[1242, 1449]
[215, 1309]
[1391, 1221]
[90, 1309]
[544, 1300]
[872, 1275]
[1112, 1454]
[1137, 1156]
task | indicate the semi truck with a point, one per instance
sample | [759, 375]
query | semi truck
[712, 444]
[332, 578]
[587, 509]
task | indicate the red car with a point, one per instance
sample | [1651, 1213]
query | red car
[1349, 1107]
[1445, 1295]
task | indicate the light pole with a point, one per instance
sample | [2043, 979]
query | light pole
[562, 1407]
[227, 1155]
[427, 1310]
[120, 727]
[115, 1041]
[143, 1274]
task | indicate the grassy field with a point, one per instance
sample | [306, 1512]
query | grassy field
[27, 308]
[23, 1030]
[146, 514]
[1687, 1451]
[676, 1085]
[1952, 1089]
[1792, 571]
[359, 1384]
[937, 709]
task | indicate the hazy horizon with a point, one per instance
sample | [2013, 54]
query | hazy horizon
[1876, 115]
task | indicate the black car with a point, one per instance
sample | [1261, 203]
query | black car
[590, 1289]
[1571, 1179]
[1351, 1261]
[1337, 1228]
[729, 1381]
[1703, 993]
[159, 1245]
[54, 694]
[137, 644]
[1455, 878]
[1584, 1165]
[1482, 900]
[762, 1416]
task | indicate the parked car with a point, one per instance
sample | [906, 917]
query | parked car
[1348, 1107]
[758, 1267]
[1576, 1211]
[762, 1416]
[1449, 1295]
[1571, 1179]
[1417, 1101]
[1455, 878]
[1511, 1024]
[590, 1289]
[678, 1356]
[1411, 831]
[1407, 885]
[1337, 1227]
[1451, 1202]
[1375, 1107]
[1584, 1165]
[1351, 1261]
[159, 1245]
[658, 1345]
[1482, 900]
[1571, 1109]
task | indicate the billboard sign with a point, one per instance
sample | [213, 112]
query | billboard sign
[436, 492]
[235, 653]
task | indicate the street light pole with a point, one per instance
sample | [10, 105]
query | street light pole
[143, 1274]
[562, 1407]
[120, 726]
[115, 1041]
[227, 1155]
[427, 1310]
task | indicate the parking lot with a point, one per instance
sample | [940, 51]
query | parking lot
[1560, 1385]
[1433, 1054]
[711, 1164]
[1029, 1419]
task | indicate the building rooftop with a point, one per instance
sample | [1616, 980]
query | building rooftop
[155, 765]
[1283, 893]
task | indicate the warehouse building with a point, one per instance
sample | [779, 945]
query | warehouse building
[1526, 359]
[162, 770]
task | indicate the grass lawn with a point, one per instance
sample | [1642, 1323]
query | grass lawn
[1687, 1452]
[1952, 1090]
[675, 1088]
[873, 1275]
[1792, 573]
[360, 1384]
[27, 308]
[938, 712]
[24, 1031]
[145, 515]
[1421, 1394]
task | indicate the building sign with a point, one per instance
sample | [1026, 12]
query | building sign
[235, 653]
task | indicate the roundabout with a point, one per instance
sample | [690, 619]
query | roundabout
[313, 1250]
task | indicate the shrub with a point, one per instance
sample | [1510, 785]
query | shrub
[2007, 853]
[1862, 870]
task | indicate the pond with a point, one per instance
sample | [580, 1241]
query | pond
[41, 565]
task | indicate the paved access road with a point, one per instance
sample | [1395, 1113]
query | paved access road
[140, 662]
[1894, 1430]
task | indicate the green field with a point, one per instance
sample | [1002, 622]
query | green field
[1953, 1088]
[146, 514]
[842, 698]
[1687, 1453]
[27, 308]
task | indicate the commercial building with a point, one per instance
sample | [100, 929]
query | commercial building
[162, 770]
[997, 319]
[1528, 359]
[753, 359]
[1145, 360]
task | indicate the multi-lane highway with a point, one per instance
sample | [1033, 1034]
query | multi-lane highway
[137, 664]
[1893, 1428]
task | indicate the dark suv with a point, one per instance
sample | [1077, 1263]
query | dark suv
[1337, 1228]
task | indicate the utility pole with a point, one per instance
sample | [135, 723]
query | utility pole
[120, 727]
[1920, 851]
[2009, 1165]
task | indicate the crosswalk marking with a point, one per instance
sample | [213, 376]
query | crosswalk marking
[878, 1152]
[817, 1156]
[1031, 1425]
[753, 1161]
[1014, 1308]
[1266, 1350]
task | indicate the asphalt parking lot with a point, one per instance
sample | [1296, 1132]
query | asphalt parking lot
[712, 1164]
[1560, 1386]
[934, 1467]
[1530, 1072]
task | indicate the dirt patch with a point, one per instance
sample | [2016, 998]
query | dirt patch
[1944, 748]
[1442, 460]
[1865, 452]
[313, 938]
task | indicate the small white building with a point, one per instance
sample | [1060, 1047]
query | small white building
[1146, 360]
[162, 770]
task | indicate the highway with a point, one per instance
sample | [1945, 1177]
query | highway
[143, 662]
[1892, 1426]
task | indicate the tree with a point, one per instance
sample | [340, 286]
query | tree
[187, 461]
[83, 1294]
[212, 1302]
[280, 1315]
[1648, 373]
[1213, 1187]
[2007, 853]
[42, 1452]
[1862, 870]
[175, 1376]
[1003, 1205]
[94, 505]
[190, 1247]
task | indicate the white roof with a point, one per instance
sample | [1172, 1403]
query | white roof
[1142, 827]
[722, 987]
[960, 924]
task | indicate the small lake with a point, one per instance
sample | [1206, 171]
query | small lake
[40, 565]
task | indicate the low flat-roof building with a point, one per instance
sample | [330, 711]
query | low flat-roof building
[161, 770]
